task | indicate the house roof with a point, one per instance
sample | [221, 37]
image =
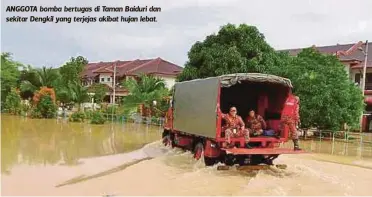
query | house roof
[134, 67]
[345, 52]
[156, 66]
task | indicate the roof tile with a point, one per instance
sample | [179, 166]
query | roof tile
[345, 51]
[135, 67]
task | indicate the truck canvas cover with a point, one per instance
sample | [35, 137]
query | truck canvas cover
[195, 101]
[195, 106]
[232, 79]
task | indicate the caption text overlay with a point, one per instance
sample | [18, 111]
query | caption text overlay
[83, 14]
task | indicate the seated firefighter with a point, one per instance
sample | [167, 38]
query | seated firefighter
[234, 127]
[255, 123]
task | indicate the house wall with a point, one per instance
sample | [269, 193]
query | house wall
[107, 79]
[348, 70]
[169, 81]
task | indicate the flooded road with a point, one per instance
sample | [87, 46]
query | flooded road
[50, 157]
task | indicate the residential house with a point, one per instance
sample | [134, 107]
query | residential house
[352, 56]
[103, 72]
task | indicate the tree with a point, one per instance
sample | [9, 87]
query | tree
[232, 50]
[13, 102]
[143, 92]
[9, 74]
[64, 95]
[70, 71]
[27, 74]
[328, 98]
[67, 88]
[79, 94]
[99, 91]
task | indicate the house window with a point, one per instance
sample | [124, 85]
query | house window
[368, 81]
[368, 77]
[108, 79]
[102, 79]
[357, 78]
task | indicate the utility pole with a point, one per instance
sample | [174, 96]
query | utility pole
[114, 91]
[114, 86]
[364, 79]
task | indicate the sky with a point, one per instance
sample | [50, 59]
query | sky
[285, 24]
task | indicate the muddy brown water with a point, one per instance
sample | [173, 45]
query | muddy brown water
[53, 157]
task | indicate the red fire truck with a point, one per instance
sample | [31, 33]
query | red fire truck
[194, 122]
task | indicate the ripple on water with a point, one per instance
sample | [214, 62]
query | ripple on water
[177, 169]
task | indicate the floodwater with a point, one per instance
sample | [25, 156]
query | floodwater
[53, 157]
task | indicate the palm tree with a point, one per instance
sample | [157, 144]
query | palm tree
[143, 92]
[78, 93]
[33, 79]
[68, 92]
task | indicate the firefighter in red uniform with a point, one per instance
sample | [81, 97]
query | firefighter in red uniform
[234, 127]
[291, 118]
[255, 123]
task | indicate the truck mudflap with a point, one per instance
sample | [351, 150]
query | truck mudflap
[261, 151]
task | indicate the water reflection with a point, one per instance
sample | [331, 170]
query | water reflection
[35, 142]
[353, 148]
[57, 142]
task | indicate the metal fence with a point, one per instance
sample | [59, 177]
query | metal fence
[135, 118]
[327, 135]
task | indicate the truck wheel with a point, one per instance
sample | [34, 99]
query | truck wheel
[209, 161]
[199, 154]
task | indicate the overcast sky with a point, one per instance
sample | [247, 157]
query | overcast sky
[285, 24]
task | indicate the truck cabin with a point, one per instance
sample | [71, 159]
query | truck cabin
[265, 97]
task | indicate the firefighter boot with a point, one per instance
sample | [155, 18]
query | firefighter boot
[296, 146]
[247, 146]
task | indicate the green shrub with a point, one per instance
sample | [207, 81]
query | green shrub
[46, 108]
[97, 118]
[155, 120]
[77, 117]
[88, 114]
[111, 110]
[35, 113]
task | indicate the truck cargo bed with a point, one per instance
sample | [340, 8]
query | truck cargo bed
[261, 151]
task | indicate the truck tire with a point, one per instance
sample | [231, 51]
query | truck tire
[199, 154]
